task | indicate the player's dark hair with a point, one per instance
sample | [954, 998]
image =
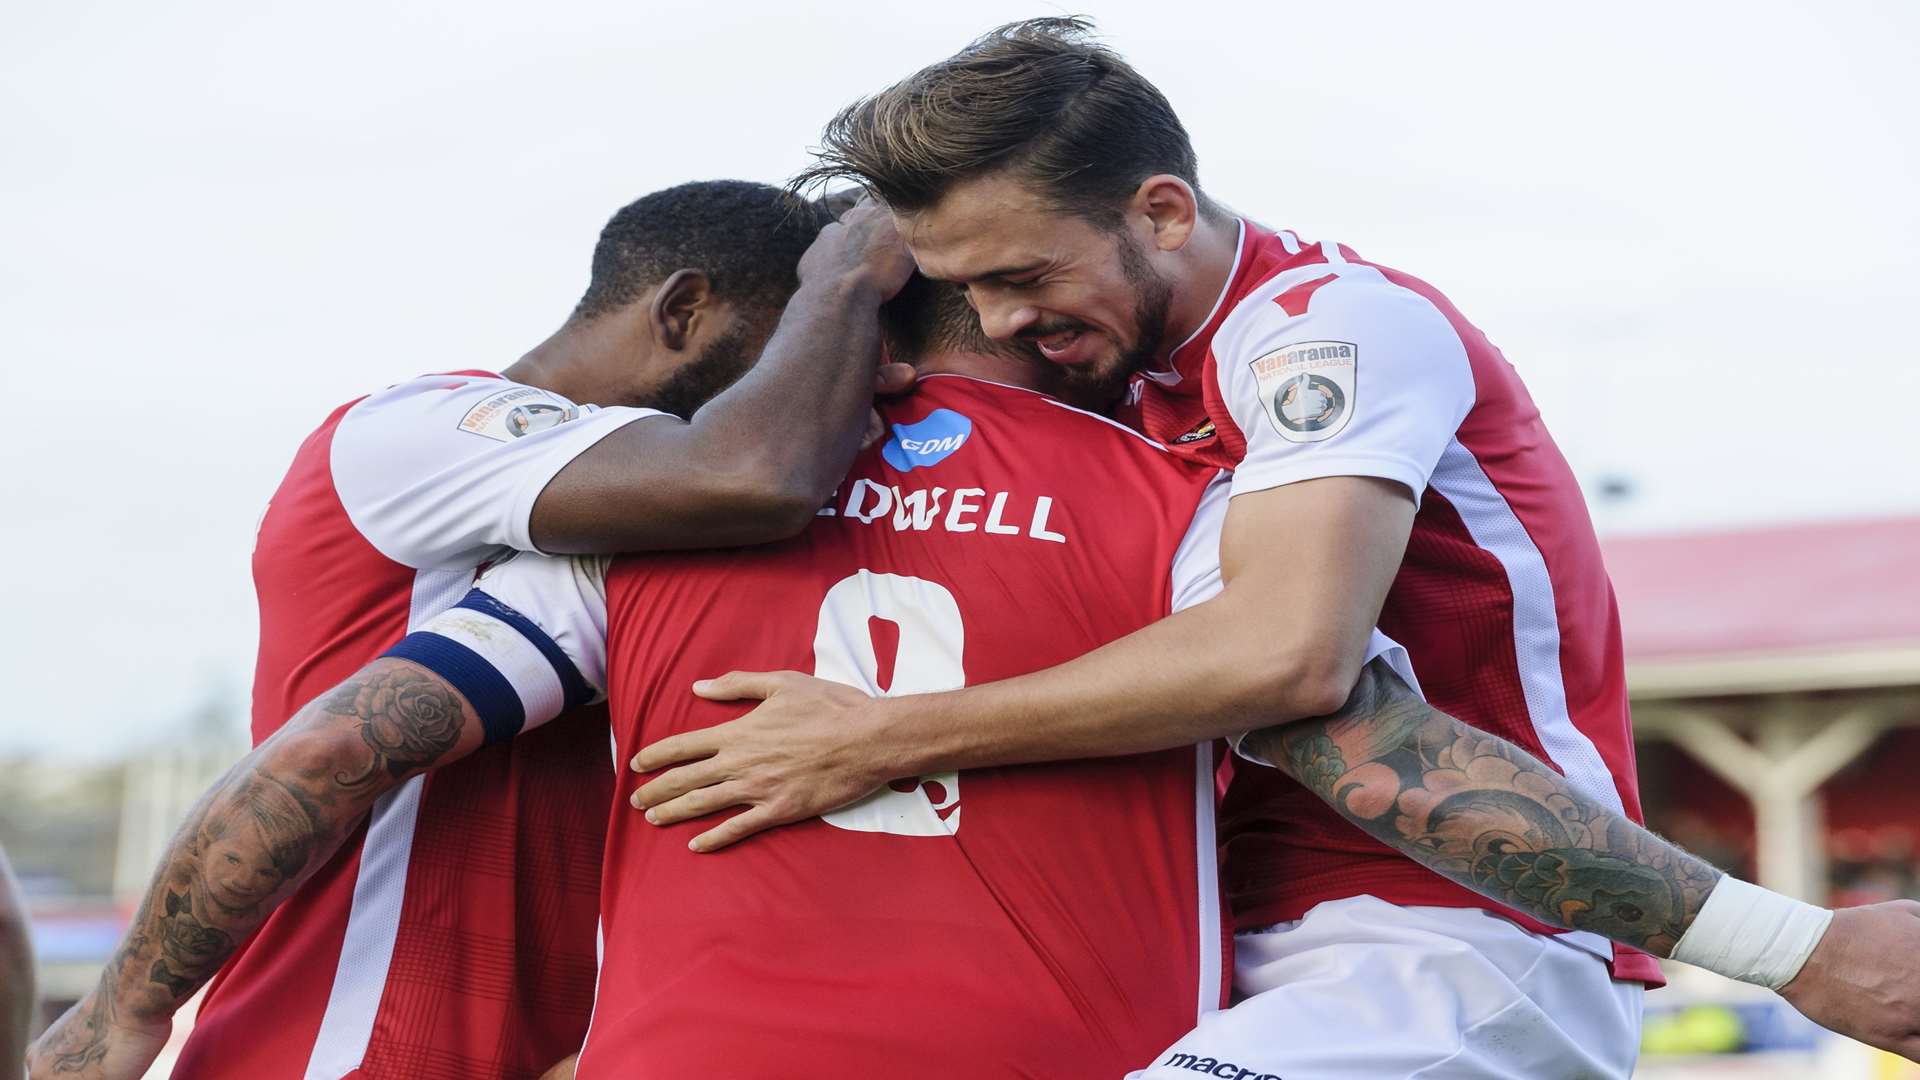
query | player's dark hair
[927, 317]
[746, 237]
[1039, 99]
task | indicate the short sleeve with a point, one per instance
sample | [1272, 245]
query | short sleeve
[525, 645]
[443, 471]
[1334, 370]
[1196, 562]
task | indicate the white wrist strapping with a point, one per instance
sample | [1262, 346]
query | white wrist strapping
[1752, 934]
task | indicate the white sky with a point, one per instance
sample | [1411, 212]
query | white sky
[1691, 226]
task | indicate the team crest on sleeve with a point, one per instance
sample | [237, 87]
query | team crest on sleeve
[1306, 388]
[516, 413]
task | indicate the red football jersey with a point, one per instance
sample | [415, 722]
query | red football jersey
[1044, 921]
[1316, 363]
[452, 936]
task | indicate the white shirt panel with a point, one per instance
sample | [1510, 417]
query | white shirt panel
[565, 596]
[1370, 380]
[443, 471]
[1196, 562]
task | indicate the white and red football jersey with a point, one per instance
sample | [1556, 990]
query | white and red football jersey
[1040, 921]
[1315, 363]
[453, 935]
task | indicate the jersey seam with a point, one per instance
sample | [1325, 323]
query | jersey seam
[1264, 476]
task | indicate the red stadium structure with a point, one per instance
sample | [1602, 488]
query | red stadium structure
[1773, 660]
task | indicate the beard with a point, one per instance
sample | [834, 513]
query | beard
[1099, 386]
[701, 379]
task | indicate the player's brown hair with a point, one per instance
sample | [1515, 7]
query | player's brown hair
[1039, 97]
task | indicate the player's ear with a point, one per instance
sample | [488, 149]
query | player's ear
[1171, 208]
[678, 306]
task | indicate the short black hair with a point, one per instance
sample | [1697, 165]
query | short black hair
[746, 237]
[927, 317]
[1039, 99]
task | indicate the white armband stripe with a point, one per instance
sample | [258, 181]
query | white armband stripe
[505, 649]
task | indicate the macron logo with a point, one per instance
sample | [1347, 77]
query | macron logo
[928, 442]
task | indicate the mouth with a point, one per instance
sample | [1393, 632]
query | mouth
[1067, 347]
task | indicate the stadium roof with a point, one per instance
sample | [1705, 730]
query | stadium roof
[1803, 607]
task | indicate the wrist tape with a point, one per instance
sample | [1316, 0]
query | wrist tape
[1752, 934]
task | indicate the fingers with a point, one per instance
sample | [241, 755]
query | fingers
[735, 829]
[876, 428]
[893, 378]
[677, 782]
[866, 208]
[736, 685]
[686, 746]
[698, 803]
[1908, 1048]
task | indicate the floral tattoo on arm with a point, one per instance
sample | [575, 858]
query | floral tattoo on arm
[1481, 811]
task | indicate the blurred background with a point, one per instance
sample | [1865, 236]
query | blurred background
[1691, 227]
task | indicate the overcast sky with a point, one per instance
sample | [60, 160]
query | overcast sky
[1693, 228]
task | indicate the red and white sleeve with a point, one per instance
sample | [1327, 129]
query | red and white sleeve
[1333, 370]
[443, 471]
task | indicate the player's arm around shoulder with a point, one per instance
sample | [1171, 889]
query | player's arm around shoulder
[443, 471]
[758, 461]
[1321, 510]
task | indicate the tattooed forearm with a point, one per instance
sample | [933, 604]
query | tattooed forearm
[78, 1041]
[269, 822]
[1483, 812]
[408, 718]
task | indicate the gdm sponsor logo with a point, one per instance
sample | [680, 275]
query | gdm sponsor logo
[928, 442]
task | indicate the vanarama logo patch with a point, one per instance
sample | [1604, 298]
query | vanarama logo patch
[1307, 388]
[517, 413]
[927, 442]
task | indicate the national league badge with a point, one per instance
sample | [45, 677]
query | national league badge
[1307, 388]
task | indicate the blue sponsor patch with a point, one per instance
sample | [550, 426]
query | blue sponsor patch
[928, 442]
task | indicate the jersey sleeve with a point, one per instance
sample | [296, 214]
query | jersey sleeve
[526, 644]
[1196, 562]
[1334, 370]
[1196, 579]
[443, 471]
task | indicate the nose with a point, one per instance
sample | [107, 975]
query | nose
[1002, 317]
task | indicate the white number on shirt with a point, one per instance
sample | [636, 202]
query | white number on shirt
[932, 643]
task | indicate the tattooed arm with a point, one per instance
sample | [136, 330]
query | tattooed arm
[264, 827]
[1481, 811]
